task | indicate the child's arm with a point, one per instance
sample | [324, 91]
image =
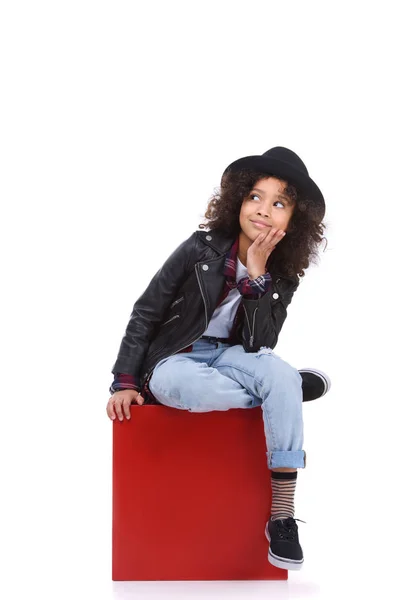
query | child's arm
[149, 310]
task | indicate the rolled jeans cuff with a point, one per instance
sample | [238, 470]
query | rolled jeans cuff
[292, 459]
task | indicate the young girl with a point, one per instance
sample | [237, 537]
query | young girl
[201, 335]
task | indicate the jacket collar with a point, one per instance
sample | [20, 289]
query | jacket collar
[217, 240]
[224, 245]
[229, 245]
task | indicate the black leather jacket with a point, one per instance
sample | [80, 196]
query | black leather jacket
[175, 309]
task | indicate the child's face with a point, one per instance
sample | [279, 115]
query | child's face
[265, 203]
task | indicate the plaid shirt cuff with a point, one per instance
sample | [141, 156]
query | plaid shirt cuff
[255, 288]
[123, 381]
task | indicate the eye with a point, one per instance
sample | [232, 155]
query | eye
[256, 196]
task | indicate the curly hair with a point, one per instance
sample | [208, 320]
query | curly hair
[297, 249]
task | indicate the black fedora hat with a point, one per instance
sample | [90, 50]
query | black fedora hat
[284, 164]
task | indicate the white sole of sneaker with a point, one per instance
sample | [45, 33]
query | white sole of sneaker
[282, 563]
[324, 376]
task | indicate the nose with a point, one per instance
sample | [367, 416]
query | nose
[264, 213]
[264, 210]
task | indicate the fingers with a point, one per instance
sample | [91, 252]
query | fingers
[118, 408]
[273, 235]
[278, 233]
[119, 405]
[110, 408]
[139, 398]
[125, 407]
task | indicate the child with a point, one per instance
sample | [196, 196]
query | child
[201, 335]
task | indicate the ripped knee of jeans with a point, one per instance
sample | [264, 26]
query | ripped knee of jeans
[264, 350]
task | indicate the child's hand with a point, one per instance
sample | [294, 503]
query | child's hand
[261, 248]
[119, 403]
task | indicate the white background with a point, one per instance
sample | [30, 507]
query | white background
[117, 121]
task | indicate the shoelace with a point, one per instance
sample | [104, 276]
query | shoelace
[287, 528]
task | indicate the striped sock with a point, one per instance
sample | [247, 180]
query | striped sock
[283, 488]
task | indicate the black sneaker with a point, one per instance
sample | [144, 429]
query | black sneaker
[284, 549]
[315, 383]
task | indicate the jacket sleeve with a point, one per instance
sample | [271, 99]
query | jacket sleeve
[264, 317]
[148, 311]
[122, 381]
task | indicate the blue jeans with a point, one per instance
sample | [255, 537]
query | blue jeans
[217, 376]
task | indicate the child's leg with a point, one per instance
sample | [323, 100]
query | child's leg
[279, 389]
[283, 484]
[189, 382]
[276, 386]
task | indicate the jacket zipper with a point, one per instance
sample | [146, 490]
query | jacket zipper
[248, 323]
[171, 319]
[204, 300]
[176, 301]
[254, 323]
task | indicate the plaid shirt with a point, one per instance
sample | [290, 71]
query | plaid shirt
[248, 288]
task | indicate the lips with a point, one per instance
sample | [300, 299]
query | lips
[260, 224]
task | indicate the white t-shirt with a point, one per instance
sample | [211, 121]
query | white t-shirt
[223, 316]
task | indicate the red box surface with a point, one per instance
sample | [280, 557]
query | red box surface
[191, 496]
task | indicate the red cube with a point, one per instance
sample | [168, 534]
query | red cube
[191, 496]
